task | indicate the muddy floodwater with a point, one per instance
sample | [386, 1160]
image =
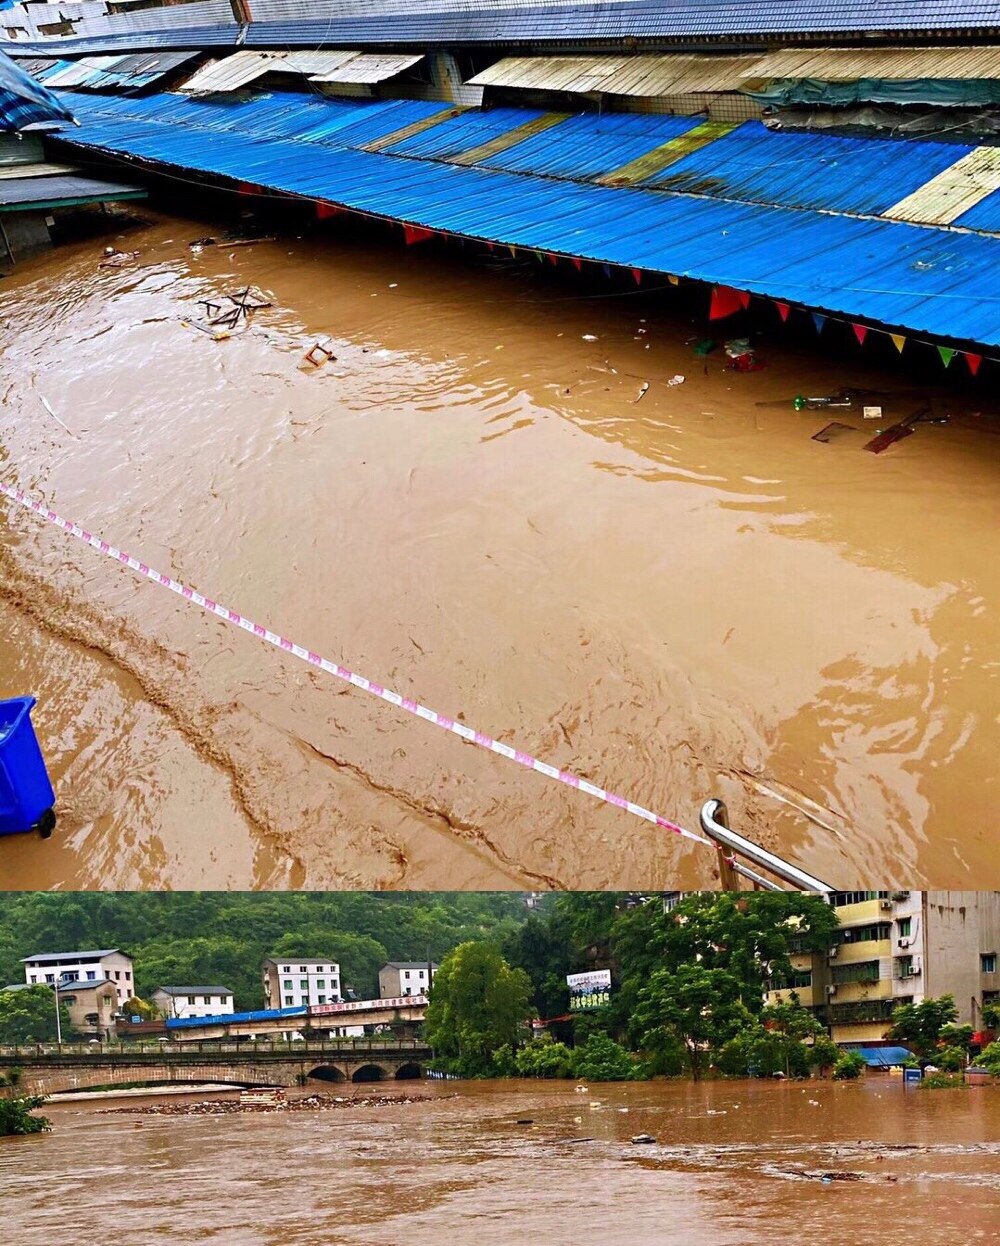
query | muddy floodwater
[676, 593]
[734, 1165]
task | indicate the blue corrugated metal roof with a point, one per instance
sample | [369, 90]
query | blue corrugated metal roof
[264, 1014]
[588, 145]
[985, 215]
[757, 165]
[879, 1057]
[922, 279]
[467, 130]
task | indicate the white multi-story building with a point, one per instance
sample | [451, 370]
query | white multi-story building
[193, 1001]
[55, 968]
[405, 977]
[294, 981]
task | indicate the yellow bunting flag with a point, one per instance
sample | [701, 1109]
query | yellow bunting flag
[898, 341]
[674, 281]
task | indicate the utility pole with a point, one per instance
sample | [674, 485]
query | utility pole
[55, 985]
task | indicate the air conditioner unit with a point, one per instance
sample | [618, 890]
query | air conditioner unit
[904, 942]
[886, 906]
[901, 895]
[831, 989]
[833, 952]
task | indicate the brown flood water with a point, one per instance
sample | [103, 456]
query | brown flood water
[680, 597]
[461, 1169]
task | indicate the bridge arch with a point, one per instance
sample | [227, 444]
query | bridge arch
[370, 1073]
[327, 1073]
[409, 1072]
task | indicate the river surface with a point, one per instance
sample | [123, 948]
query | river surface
[675, 593]
[462, 1169]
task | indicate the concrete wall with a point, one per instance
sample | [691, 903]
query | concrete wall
[959, 926]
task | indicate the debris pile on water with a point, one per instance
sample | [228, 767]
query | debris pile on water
[232, 1107]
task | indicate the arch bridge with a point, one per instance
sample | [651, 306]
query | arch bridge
[51, 1069]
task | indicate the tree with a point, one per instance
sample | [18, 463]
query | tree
[699, 1007]
[991, 1014]
[849, 1067]
[543, 1058]
[140, 1008]
[478, 1006]
[28, 1015]
[920, 1025]
[17, 1116]
[601, 1059]
[786, 1038]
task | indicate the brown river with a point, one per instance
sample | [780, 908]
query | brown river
[734, 1164]
[677, 593]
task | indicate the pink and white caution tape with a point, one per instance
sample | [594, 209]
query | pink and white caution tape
[342, 672]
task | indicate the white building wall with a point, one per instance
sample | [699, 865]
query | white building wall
[116, 967]
[306, 982]
[194, 1005]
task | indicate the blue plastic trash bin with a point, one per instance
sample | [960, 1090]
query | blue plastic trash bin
[26, 795]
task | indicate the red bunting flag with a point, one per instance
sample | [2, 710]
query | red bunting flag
[860, 332]
[637, 275]
[415, 233]
[726, 302]
[577, 262]
[973, 361]
[489, 246]
[783, 309]
[325, 210]
[246, 188]
[553, 259]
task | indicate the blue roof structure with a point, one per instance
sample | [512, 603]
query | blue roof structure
[24, 102]
[915, 278]
[880, 1057]
[263, 1014]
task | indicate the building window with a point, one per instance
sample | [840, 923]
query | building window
[406, 990]
[191, 999]
[905, 927]
[866, 934]
[286, 969]
[304, 984]
[988, 962]
[321, 999]
[406, 973]
[303, 968]
[320, 984]
[797, 978]
[289, 1001]
[864, 971]
[287, 984]
[50, 977]
[904, 966]
[840, 898]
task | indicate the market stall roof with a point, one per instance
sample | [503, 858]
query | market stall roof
[880, 1057]
[642, 76]
[24, 102]
[775, 239]
[32, 194]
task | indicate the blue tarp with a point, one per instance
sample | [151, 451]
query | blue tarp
[264, 1014]
[919, 279]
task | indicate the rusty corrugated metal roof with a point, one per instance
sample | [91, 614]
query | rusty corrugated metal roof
[953, 192]
[895, 64]
[620, 75]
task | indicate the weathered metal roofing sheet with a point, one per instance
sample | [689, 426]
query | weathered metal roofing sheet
[230, 73]
[643, 76]
[954, 192]
[462, 133]
[586, 145]
[896, 64]
[368, 67]
[804, 170]
[80, 71]
[20, 193]
[916, 278]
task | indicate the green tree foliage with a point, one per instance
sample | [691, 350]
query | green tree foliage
[849, 1067]
[991, 1014]
[478, 1006]
[543, 1057]
[28, 1015]
[17, 1115]
[601, 1059]
[191, 938]
[989, 1058]
[544, 947]
[920, 1025]
[696, 1006]
[786, 1039]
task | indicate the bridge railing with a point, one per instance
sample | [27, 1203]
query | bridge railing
[249, 1047]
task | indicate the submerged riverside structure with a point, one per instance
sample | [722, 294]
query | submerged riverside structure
[835, 159]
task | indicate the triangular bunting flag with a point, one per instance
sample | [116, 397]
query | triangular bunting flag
[725, 302]
[783, 310]
[744, 299]
[513, 251]
[489, 246]
[637, 276]
[674, 281]
[539, 257]
[819, 321]
[325, 210]
[415, 233]
[553, 259]
[947, 354]
[860, 332]
[577, 263]
[973, 361]
[606, 269]
[898, 341]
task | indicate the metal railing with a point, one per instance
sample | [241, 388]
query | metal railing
[734, 850]
[247, 1048]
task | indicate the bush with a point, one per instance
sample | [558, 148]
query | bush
[943, 1081]
[951, 1059]
[601, 1059]
[989, 1058]
[544, 1058]
[16, 1116]
[849, 1067]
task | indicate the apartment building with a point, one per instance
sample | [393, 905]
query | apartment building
[193, 1001]
[92, 1007]
[107, 964]
[294, 981]
[405, 977]
[900, 947]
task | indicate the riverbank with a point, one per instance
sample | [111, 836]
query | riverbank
[483, 437]
[517, 1159]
